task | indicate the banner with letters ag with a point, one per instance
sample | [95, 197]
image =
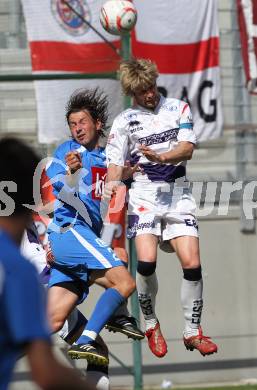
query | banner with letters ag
[181, 36]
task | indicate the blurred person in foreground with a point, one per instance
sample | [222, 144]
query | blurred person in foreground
[157, 133]
[23, 323]
[41, 257]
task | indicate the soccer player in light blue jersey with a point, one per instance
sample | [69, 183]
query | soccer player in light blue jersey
[77, 173]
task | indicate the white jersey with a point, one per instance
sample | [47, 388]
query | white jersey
[32, 249]
[161, 130]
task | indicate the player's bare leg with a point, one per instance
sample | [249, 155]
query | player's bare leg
[187, 249]
[147, 287]
[61, 302]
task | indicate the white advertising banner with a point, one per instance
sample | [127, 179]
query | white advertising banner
[180, 36]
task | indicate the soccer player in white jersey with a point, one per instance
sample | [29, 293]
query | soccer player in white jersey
[157, 134]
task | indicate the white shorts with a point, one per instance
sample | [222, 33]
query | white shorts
[166, 212]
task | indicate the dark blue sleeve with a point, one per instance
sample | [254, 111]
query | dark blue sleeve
[25, 307]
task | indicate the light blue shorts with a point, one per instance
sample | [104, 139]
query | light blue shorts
[77, 251]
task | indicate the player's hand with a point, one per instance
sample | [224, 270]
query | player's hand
[128, 170]
[73, 160]
[109, 190]
[150, 154]
[49, 254]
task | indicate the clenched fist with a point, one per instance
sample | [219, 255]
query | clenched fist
[73, 160]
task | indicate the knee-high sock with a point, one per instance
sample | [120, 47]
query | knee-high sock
[147, 287]
[192, 303]
[109, 301]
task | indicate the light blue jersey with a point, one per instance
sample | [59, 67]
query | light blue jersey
[80, 204]
[74, 233]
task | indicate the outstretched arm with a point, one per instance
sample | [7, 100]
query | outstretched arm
[182, 152]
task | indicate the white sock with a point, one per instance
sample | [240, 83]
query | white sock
[98, 380]
[147, 287]
[192, 303]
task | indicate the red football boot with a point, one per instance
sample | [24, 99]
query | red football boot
[156, 341]
[200, 342]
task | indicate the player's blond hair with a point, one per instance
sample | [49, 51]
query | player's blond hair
[137, 74]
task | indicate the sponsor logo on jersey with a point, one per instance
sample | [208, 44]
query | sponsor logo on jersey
[165, 136]
[135, 126]
[98, 181]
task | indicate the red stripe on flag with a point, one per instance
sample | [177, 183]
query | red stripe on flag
[180, 58]
[71, 57]
[244, 39]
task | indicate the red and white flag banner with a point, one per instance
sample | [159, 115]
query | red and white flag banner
[180, 36]
[247, 19]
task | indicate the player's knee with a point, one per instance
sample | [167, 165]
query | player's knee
[190, 262]
[192, 274]
[130, 286]
[127, 285]
[56, 323]
[145, 268]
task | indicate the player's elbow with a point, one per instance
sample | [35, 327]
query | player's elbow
[189, 155]
[189, 152]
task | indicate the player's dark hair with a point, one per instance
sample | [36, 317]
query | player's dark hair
[17, 164]
[94, 101]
